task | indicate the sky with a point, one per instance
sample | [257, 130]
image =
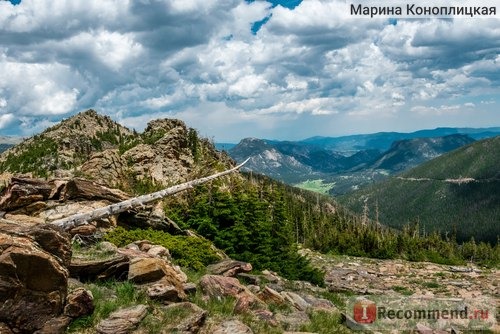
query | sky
[232, 69]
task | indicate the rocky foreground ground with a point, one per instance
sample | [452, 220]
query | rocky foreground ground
[373, 276]
[419, 280]
[50, 288]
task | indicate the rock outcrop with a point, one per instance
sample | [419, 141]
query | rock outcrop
[106, 165]
[229, 268]
[215, 286]
[33, 275]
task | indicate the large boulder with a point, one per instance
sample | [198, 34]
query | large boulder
[145, 270]
[33, 275]
[219, 286]
[229, 268]
[163, 281]
[271, 296]
[99, 263]
[22, 192]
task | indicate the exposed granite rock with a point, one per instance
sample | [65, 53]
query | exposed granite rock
[165, 157]
[145, 270]
[319, 304]
[159, 251]
[267, 316]
[389, 277]
[247, 301]
[33, 282]
[78, 188]
[52, 240]
[270, 296]
[55, 325]
[106, 165]
[84, 230]
[293, 321]
[29, 196]
[163, 291]
[24, 219]
[123, 321]
[295, 300]
[229, 268]
[21, 192]
[111, 266]
[232, 327]
[191, 320]
[219, 286]
[165, 283]
[79, 302]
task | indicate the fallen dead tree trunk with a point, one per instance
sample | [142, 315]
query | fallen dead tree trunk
[83, 218]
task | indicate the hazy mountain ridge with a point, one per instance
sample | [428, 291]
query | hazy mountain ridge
[384, 140]
[298, 162]
[7, 142]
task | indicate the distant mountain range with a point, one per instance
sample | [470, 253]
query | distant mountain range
[384, 140]
[7, 142]
[343, 164]
[458, 192]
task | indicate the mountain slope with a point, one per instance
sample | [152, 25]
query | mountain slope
[458, 192]
[408, 153]
[65, 146]
[265, 158]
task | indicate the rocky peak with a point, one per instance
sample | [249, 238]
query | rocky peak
[248, 147]
[95, 146]
[165, 124]
[65, 146]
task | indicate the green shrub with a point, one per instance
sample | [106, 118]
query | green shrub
[187, 251]
[152, 137]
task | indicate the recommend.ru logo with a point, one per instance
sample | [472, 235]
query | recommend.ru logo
[404, 313]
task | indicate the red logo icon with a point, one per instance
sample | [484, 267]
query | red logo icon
[365, 312]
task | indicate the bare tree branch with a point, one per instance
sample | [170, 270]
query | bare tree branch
[82, 218]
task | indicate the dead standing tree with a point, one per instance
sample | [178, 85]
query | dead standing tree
[83, 218]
